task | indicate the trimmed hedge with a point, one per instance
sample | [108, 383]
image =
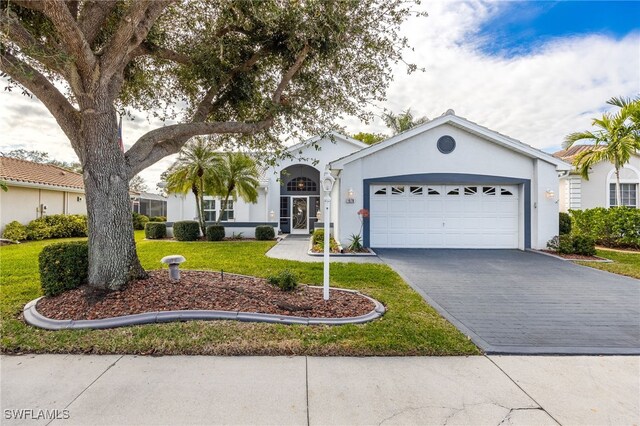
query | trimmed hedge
[63, 266]
[155, 230]
[265, 232]
[573, 244]
[186, 230]
[15, 231]
[139, 221]
[565, 223]
[613, 227]
[215, 233]
[158, 219]
[38, 230]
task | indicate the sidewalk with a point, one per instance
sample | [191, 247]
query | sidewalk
[295, 247]
[317, 391]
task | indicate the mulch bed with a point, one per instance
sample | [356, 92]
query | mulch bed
[202, 290]
[574, 256]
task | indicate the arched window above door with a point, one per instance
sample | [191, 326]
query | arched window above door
[302, 184]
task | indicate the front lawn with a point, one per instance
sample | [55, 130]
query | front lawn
[410, 327]
[624, 263]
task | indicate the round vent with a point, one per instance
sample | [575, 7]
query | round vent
[446, 144]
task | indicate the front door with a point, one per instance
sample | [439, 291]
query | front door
[299, 215]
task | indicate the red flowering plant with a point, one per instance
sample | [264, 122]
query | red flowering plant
[356, 240]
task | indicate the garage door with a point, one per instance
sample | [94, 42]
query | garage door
[437, 216]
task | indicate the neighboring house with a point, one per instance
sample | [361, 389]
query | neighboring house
[149, 204]
[577, 193]
[35, 190]
[446, 183]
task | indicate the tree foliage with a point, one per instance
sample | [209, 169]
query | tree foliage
[138, 184]
[399, 123]
[369, 138]
[238, 177]
[42, 157]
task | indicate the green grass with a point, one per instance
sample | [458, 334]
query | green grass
[624, 263]
[410, 327]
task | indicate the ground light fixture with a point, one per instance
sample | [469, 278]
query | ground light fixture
[327, 186]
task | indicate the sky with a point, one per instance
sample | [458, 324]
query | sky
[534, 71]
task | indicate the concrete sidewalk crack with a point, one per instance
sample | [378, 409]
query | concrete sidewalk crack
[524, 391]
[90, 384]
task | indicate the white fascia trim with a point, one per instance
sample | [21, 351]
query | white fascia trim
[32, 185]
[336, 135]
[465, 125]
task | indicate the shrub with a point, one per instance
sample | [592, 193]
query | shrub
[265, 232]
[613, 227]
[186, 230]
[565, 223]
[356, 242]
[318, 236]
[584, 245]
[155, 230]
[38, 230]
[66, 226]
[215, 233]
[15, 231]
[139, 221]
[63, 266]
[158, 219]
[285, 280]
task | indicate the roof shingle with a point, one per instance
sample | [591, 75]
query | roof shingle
[12, 169]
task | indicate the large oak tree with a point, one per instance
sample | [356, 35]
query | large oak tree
[251, 69]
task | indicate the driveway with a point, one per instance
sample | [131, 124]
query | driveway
[514, 302]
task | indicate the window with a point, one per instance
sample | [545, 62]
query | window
[470, 190]
[209, 208]
[416, 190]
[454, 191]
[432, 191]
[397, 190]
[284, 210]
[381, 191]
[505, 192]
[302, 184]
[489, 190]
[228, 211]
[628, 194]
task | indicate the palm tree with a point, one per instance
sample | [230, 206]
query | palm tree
[237, 177]
[616, 138]
[197, 167]
[403, 121]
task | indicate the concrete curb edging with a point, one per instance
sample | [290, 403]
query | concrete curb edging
[34, 318]
[544, 253]
[310, 252]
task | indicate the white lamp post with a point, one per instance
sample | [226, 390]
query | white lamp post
[327, 186]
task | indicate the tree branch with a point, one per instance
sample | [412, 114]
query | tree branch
[37, 5]
[291, 72]
[93, 16]
[64, 113]
[158, 143]
[72, 37]
[129, 36]
[13, 29]
[159, 52]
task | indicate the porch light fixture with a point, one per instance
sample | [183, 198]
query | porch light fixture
[351, 196]
[272, 215]
[327, 186]
[549, 194]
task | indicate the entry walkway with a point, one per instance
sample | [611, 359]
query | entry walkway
[296, 247]
[126, 390]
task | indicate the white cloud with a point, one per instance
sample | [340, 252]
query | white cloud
[537, 98]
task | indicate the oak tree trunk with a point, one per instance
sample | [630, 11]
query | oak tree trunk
[113, 260]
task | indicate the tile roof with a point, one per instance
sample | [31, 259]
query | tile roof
[570, 153]
[12, 169]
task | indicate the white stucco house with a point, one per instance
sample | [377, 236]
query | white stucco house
[577, 193]
[448, 183]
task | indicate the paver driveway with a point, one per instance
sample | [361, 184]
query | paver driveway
[509, 301]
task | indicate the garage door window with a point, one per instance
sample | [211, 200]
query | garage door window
[505, 192]
[454, 191]
[381, 191]
[470, 190]
[416, 190]
[397, 190]
[489, 190]
[432, 191]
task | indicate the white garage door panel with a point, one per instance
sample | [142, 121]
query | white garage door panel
[436, 216]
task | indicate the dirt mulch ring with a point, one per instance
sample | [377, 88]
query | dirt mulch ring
[200, 290]
[574, 256]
